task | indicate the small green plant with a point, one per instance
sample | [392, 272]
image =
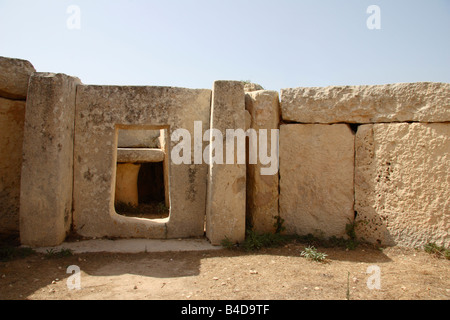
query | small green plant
[227, 244]
[256, 241]
[162, 207]
[8, 253]
[351, 242]
[439, 251]
[278, 225]
[311, 253]
[62, 253]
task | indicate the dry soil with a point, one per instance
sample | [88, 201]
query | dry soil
[269, 274]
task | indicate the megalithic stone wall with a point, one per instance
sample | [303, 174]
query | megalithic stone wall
[14, 78]
[402, 160]
[375, 157]
[47, 171]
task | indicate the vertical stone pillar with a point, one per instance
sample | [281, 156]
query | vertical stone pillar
[262, 190]
[47, 171]
[226, 197]
[127, 184]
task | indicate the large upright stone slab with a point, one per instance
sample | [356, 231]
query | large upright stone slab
[262, 190]
[14, 77]
[12, 116]
[316, 179]
[226, 200]
[104, 110]
[47, 172]
[422, 102]
[402, 185]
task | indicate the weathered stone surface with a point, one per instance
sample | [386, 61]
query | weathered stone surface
[12, 116]
[226, 200]
[127, 184]
[104, 110]
[47, 172]
[420, 102]
[14, 77]
[139, 155]
[262, 190]
[251, 87]
[139, 139]
[316, 178]
[402, 185]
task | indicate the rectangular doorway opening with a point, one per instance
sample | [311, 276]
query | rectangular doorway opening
[142, 189]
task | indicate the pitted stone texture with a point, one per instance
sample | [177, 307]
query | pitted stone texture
[419, 102]
[127, 184]
[12, 116]
[139, 139]
[402, 184]
[226, 200]
[104, 110]
[139, 155]
[262, 190]
[14, 77]
[316, 179]
[251, 87]
[47, 171]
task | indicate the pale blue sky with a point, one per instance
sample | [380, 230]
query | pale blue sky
[191, 43]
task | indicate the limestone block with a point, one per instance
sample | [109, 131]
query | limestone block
[402, 185]
[226, 200]
[101, 112]
[12, 116]
[47, 172]
[316, 178]
[139, 155]
[421, 102]
[139, 139]
[262, 190]
[251, 87]
[127, 184]
[14, 77]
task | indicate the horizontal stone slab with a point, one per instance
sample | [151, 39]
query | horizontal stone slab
[139, 139]
[139, 155]
[14, 77]
[415, 102]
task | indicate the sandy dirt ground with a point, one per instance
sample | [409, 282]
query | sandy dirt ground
[269, 274]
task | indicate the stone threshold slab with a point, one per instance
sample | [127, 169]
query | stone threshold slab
[133, 246]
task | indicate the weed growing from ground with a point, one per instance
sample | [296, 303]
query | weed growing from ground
[53, 254]
[311, 253]
[439, 251]
[8, 253]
